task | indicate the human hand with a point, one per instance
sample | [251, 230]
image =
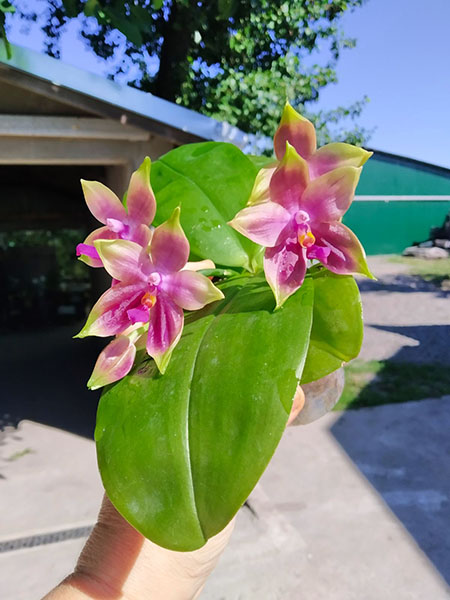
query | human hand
[118, 563]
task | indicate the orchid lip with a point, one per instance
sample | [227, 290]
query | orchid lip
[148, 300]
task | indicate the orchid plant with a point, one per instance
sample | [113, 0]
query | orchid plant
[205, 359]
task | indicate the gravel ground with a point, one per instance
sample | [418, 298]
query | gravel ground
[406, 319]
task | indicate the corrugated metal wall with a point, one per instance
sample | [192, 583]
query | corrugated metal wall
[398, 201]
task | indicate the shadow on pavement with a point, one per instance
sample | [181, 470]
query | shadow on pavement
[44, 377]
[433, 347]
[404, 449]
[401, 283]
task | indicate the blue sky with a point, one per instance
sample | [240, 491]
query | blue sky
[401, 62]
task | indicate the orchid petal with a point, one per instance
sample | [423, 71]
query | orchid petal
[296, 130]
[289, 180]
[87, 252]
[199, 265]
[191, 290]
[335, 155]
[109, 314]
[164, 330]
[113, 363]
[169, 247]
[347, 254]
[141, 341]
[327, 198]
[262, 223]
[102, 202]
[260, 191]
[285, 268]
[124, 260]
[141, 203]
[142, 235]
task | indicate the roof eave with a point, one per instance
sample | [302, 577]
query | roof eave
[95, 94]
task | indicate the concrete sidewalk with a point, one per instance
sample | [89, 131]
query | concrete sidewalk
[353, 506]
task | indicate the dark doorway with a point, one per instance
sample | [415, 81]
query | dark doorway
[46, 293]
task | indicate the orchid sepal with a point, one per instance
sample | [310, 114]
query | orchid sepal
[108, 316]
[140, 200]
[169, 248]
[289, 180]
[297, 130]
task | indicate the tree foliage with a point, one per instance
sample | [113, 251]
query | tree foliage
[5, 7]
[235, 61]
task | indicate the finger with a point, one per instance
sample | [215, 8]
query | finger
[297, 405]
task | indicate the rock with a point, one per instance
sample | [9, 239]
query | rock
[442, 244]
[428, 253]
[427, 244]
[320, 397]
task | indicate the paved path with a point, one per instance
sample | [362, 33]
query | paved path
[406, 319]
[338, 518]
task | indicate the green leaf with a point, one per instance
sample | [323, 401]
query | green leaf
[211, 182]
[157, 4]
[337, 329]
[262, 161]
[180, 453]
[226, 9]
[130, 30]
[90, 8]
[6, 7]
[70, 8]
[3, 35]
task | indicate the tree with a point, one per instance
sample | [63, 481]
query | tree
[5, 7]
[234, 60]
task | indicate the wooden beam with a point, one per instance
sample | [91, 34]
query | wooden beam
[79, 128]
[98, 107]
[45, 151]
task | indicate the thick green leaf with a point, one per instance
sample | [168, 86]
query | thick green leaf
[211, 181]
[262, 161]
[337, 330]
[179, 453]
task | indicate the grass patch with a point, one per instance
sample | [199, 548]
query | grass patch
[376, 382]
[19, 454]
[435, 271]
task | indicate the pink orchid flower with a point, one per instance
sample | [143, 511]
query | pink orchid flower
[300, 221]
[301, 134]
[117, 359]
[152, 288]
[131, 223]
